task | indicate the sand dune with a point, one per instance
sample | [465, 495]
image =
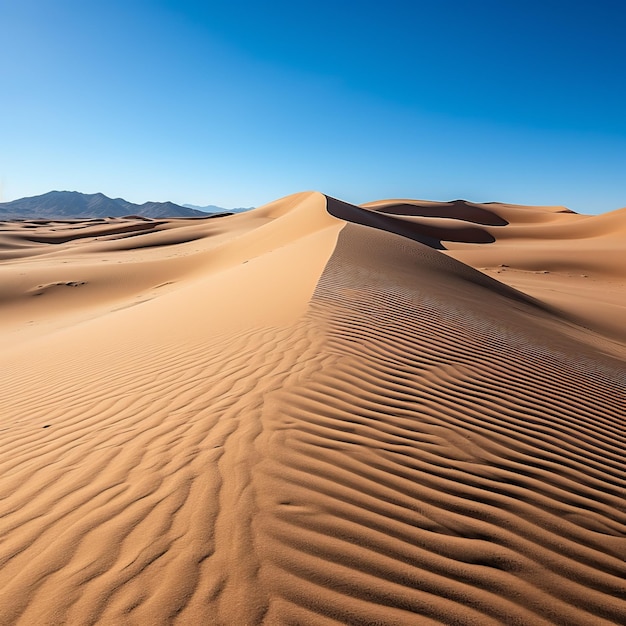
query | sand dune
[315, 413]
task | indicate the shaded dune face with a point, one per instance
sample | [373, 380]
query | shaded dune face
[460, 466]
[458, 209]
[439, 263]
[416, 443]
[426, 233]
[35, 237]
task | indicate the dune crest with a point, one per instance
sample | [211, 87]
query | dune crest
[313, 413]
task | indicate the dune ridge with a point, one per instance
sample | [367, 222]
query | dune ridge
[306, 414]
[413, 439]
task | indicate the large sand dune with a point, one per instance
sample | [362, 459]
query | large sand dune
[315, 413]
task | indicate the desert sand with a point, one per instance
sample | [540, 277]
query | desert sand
[315, 413]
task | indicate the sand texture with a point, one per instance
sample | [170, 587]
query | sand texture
[315, 413]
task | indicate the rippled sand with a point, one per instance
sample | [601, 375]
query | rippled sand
[315, 413]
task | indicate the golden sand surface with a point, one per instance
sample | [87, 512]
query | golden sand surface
[406, 412]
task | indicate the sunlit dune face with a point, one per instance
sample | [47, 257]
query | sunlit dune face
[314, 412]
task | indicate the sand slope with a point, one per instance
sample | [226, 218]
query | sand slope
[574, 263]
[311, 414]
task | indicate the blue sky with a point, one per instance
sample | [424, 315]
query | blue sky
[239, 103]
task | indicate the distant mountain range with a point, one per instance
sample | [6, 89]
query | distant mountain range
[66, 205]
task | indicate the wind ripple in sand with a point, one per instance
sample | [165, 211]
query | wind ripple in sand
[423, 446]
[135, 504]
[436, 467]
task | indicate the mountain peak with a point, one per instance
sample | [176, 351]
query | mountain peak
[77, 205]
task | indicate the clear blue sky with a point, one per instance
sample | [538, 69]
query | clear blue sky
[240, 103]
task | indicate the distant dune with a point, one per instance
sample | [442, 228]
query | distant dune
[212, 208]
[405, 412]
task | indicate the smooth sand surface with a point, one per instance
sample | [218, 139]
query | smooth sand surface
[315, 413]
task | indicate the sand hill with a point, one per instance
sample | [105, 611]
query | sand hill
[315, 413]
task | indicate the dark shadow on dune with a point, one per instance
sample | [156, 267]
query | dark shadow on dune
[432, 236]
[467, 234]
[457, 209]
[364, 217]
[352, 213]
[102, 232]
